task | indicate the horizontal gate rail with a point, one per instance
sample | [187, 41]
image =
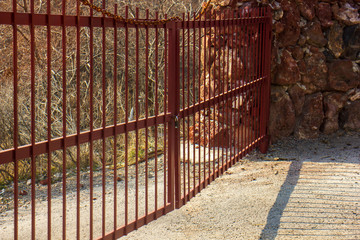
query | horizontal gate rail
[185, 112]
[39, 148]
[108, 125]
[10, 18]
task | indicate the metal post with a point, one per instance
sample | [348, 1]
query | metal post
[173, 108]
[265, 90]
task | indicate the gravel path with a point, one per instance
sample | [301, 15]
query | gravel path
[300, 189]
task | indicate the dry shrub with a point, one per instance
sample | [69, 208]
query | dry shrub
[103, 86]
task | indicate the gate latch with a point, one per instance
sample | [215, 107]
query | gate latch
[176, 120]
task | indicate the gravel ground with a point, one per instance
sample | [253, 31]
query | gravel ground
[300, 189]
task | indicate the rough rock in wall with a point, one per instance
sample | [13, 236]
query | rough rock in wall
[225, 56]
[325, 49]
[315, 65]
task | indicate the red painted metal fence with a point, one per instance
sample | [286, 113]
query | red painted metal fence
[108, 125]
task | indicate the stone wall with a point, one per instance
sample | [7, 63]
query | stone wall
[315, 65]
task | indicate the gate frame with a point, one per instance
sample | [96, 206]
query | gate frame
[172, 115]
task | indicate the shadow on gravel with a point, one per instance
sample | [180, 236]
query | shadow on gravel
[270, 230]
[318, 200]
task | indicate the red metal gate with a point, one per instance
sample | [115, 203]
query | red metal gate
[108, 125]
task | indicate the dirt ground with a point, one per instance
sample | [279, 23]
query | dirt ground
[300, 189]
